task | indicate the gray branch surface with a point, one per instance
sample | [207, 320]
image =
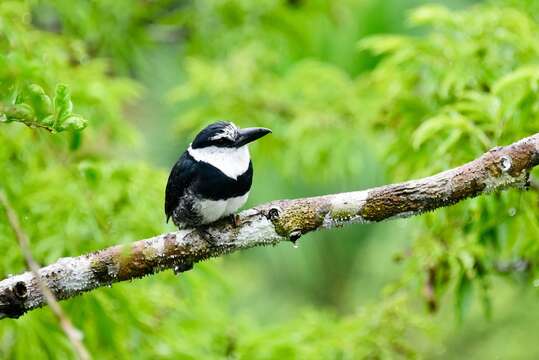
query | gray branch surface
[270, 223]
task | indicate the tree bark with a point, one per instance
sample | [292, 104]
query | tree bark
[270, 223]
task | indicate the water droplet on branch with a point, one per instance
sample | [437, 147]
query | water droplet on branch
[505, 163]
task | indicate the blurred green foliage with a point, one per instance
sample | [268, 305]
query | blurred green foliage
[469, 84]
[85, 85]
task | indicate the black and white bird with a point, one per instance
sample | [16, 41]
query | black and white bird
[212, 178]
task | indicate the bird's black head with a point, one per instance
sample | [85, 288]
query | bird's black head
[226, 134]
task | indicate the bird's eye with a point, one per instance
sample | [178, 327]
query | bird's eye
[223, 141]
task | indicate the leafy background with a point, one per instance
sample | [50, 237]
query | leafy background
[98, 98]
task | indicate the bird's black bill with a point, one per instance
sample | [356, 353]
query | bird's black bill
[248, 135]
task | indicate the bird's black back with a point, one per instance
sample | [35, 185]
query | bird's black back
[202, 180]
[179, 179]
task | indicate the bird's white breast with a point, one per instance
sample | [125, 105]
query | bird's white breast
[212, 210]
[231, 161]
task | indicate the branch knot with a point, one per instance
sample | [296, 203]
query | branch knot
[273, 214]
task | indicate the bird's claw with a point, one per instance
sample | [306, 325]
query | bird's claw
[235, 220]
[206, 235]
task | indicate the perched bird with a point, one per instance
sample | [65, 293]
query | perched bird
[212, 178]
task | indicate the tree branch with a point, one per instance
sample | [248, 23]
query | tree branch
[268, 224]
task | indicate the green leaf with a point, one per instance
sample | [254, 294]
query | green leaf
[73, 122]
[432, 15]
[19, 112]
[525, 73]
[40, 102]
[486, 301]
[62, 102]
[75, 141]
[463, 297]
[383, 44]
[48, 120]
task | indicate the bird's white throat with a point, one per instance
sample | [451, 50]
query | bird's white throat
[231, 161]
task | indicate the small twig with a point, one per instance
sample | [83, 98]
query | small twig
[534, 183]
[71, 332]
[35, 124]
[512, 266]
[429, 290]
[7, 115]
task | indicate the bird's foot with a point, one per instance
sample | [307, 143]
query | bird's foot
[235, 220]
[203, 232]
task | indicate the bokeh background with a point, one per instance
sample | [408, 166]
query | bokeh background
[358, 94]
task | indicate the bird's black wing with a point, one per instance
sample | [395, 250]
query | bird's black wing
[179, 180]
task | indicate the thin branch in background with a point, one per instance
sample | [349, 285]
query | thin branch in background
[512, 266]
[534, 184]
[74, 335]
[429, 290]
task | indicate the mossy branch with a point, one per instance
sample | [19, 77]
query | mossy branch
[268, 224]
